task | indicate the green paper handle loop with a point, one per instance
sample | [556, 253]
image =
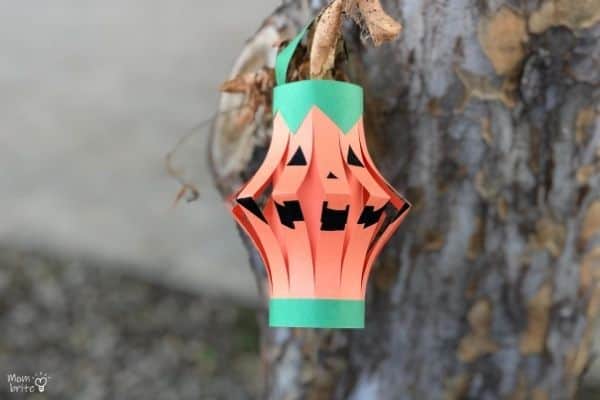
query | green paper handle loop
[341, 101]
[285, 56]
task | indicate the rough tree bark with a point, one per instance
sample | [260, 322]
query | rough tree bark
[485, 115]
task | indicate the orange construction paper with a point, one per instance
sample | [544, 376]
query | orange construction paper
[323, 224]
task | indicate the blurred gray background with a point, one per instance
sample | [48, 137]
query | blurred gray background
[104, 284]
[93, 95]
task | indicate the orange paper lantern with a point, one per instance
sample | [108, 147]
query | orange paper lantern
[325, 211]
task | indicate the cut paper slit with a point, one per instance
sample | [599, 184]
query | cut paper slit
[352, 159]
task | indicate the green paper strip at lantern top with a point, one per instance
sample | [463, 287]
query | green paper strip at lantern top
[340, 101]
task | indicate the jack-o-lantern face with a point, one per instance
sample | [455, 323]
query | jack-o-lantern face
[328, 214]
[325, 212]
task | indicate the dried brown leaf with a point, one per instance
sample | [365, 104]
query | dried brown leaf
[239, 84]
[382, 27]
[261, 81]
[256, 86]
[327, 34]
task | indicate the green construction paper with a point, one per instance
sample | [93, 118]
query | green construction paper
[317, 313]
[285, 56]
[342, 102]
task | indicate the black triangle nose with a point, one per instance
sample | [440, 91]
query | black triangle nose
[331, 176]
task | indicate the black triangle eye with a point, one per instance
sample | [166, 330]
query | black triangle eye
[331, 176]
[249, 204]
[298, 158]
[353, 159]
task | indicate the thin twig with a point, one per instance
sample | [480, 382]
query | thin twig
[176, 173]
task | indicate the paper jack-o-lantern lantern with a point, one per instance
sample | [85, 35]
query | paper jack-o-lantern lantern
[317, 209]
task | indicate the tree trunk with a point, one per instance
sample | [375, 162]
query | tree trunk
[485, 115]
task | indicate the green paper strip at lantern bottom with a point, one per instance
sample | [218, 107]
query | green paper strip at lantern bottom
[317, 313]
